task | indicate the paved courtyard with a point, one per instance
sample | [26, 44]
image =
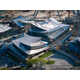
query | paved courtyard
[61, 62]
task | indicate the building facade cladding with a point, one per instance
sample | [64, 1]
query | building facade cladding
[26, 45]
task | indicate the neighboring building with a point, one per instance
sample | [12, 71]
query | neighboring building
[16, 22]
[72, 48]
[48, 28]
[3, 49]
[4, 30]
[27, 46]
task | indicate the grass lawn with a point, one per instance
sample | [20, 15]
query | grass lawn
[41, 59]
[46, 54]
[33, 61]
[50, 62]
[3, 68]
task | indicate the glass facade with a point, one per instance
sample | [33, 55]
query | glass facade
[36, 32]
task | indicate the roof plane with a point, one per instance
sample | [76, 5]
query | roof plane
[48, 24]
[4, 28]
[32, 42]
[29, 40]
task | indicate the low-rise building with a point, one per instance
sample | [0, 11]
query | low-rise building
[4, 30]
[16, 22]
[49, 28]
[27, 46]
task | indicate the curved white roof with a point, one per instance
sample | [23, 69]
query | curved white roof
[30, 41]
[48, 24]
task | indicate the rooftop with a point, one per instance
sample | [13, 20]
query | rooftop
[48, 24]
[4, 28]
[17, 21]
[27, 41]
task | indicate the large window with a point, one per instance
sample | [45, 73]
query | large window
[35, 31]
[34, 28]
[38, 47]
[26, 47]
